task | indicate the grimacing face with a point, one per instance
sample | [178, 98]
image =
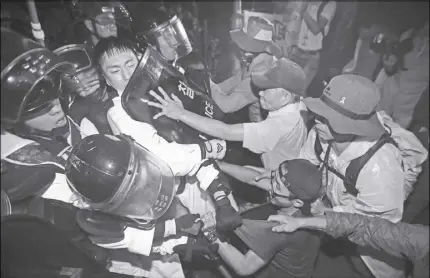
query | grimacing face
[119, 68]
[273, 99]
[53, 119]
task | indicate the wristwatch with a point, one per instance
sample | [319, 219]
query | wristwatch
[211, 235]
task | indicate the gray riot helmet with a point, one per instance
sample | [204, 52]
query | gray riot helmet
[30, 77]
[86, 71]
[115, 175]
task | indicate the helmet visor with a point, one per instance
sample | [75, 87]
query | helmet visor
[172, 34]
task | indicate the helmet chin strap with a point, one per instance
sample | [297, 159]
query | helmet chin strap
[94, 32]
[56, 134]
[175, 59]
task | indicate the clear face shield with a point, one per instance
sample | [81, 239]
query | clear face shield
[30, 83]
[172, 39]
[86, 76]
[146, 191]
[152, 69]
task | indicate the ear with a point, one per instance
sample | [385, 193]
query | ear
[107, 81]
[89, 24]
[285, 98]
[297, 203]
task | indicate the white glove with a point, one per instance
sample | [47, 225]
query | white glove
[215, 149]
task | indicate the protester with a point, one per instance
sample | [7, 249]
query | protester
[277, 138]
[293, 186]
[347, 127]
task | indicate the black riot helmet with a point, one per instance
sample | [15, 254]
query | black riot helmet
[30, 78]
[165, 31]
[108, 14]
[86, 72]
[115, 175]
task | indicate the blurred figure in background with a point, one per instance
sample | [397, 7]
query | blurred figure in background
[402, 89]
[253, 42]
[317, 17]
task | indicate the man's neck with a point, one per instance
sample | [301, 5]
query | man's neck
[339, 147]
[94, 40]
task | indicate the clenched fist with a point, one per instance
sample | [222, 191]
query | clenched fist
[189, 224]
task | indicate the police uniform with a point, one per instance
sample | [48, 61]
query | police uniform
[31, 82]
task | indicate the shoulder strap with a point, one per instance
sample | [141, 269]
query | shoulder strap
[354, 168]
[319, 11]
[318, 148]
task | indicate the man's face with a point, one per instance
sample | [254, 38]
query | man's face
[118, 69]
[279, 193]
[105, 25]
[165, 47]
[273, 99]
[53, 119]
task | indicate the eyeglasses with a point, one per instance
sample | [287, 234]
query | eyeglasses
[273, 183]
[105, 22]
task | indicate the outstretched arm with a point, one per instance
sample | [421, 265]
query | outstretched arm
[245, 174]
[397, 239]
[242, 264]
[172, 107]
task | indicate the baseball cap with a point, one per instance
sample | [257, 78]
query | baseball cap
[302, 178]
[256, 36]
[349, 104]
[282, 73]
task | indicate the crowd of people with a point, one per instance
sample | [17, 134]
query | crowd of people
[125, 148]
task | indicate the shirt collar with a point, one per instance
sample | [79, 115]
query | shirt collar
[289, 108]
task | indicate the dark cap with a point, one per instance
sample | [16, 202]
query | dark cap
[282, 73]
[302, 178]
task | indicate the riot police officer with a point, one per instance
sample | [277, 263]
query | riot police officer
[166, 31]
[36, 133]
[129, 190]
[104, 19]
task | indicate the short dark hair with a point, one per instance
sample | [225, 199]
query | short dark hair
[111, 46]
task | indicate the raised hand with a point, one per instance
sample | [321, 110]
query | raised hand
[170, 106]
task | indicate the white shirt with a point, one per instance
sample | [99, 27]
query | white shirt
[182, 159]
[307, 40]
[279, 137]
[380, 185]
